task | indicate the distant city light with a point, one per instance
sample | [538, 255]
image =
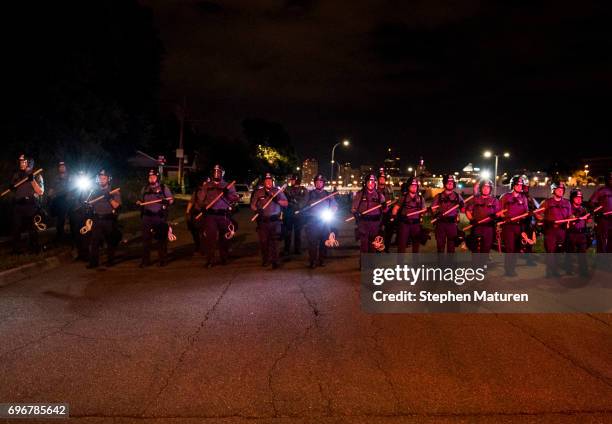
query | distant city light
[488, 154]
[506, 154]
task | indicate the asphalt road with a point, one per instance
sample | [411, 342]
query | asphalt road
[242, 344]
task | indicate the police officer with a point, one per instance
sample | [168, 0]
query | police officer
[25, 204]
[514, 203]
[446, 224]
[528, 224]
[155, 217]
[292, 223]
[216, 219]
[191, 212]
[60, 199]
[484, 205]
[368, 225]
[78, 214]
[104, 215]
[388, 226]
[556, 208]
[268, 218]
[576, 234]
[317, 228]
[602, 197]
[409, 225]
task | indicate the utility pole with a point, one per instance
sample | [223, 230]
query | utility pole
[180, 153]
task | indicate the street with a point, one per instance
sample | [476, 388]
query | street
[240, 343]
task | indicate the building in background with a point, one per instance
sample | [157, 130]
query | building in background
[310, 168]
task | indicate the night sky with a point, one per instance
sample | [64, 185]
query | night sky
[439, 78]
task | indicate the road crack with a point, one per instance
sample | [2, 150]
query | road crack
[191, 339]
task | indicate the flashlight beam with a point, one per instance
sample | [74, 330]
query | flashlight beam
[317, 202]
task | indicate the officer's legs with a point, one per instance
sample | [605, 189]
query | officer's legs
[147, 239]
[60, 220]
[313, 242]
[211, 231]
[18, 221]
[550, 245]
[602, 235]
[403, 232]
[510, 232]
[97, 236]
[262, 233]
[297, 235]
[287, 231]
[364, 238]
[451, 235]
[440, 237]
[272, 245]
[222, 223]
[414, 231]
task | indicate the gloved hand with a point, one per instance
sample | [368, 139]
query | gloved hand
[30, 177]
[108, 196]
[473, 221]
[276, 199]
[356, 215]
[165, 202]
[260, 211]
[493, 217]
[225, 191]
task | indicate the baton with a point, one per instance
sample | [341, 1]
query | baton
[269, 201]
[516, 218]
[198, 216]
[388, 203]
[102, 197]
[150, 202]
[317, 202]
[18, 183]
[483, 220]
[433, 221]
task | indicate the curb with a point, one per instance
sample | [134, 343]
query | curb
[23, 272]
[33, 269]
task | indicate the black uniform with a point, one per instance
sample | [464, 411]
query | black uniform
[155, 221]
[105, 226]
[388, 226]
[292, 223]
[60, 201]
[409, 226]
[317, 230]
[576, 241]
[25, 207]
[268, 222]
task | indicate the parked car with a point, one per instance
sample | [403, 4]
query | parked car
[244, 193]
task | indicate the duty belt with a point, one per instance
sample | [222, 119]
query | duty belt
[406, 220]
[448, 219]
[270, 218]
[370, 218]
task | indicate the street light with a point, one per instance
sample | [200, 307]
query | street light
[345, 143]
[487, 154]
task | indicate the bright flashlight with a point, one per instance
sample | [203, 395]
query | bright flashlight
[83, 183]
[485, 174]
[327, 215]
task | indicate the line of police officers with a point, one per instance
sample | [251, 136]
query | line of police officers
[287, 210]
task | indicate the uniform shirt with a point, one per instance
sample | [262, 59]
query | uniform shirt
[514, 205]
[364, 200]
[411, 204]
[483, 206]
[556, 209]
[296, 196]
[155, 192]
[602, 197]
[103, 206]
[448, 201]
[315, 195]
[387, 193]
[577, 212]
[209, 191]
[261, 196]
[25, 189]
